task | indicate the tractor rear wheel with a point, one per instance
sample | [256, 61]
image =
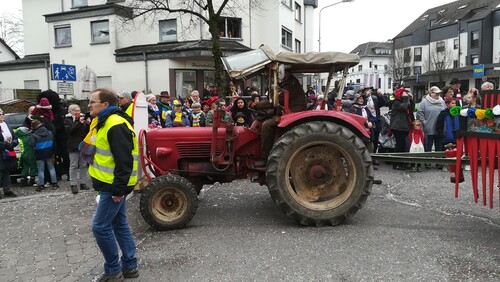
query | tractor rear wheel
[319, 173]
[168, 202]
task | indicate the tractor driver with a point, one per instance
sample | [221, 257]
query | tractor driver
[296, 103]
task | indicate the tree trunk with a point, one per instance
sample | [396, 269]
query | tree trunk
[220, 81]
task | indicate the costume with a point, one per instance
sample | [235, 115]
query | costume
[27, 161]
[416, 137]
[44, 109]
[446, 126]
[177, 119]
[198, 119]
[114, 173]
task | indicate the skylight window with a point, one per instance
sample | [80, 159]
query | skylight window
[425, 17]
[463, 6]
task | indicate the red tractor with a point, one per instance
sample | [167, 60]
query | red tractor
[318, 172]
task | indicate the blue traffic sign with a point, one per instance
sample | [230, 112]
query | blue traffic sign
[478, 70]
[63, 72]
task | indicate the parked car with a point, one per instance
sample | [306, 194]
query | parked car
[15, 120]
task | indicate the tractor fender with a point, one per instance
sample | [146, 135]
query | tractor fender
[351, 121]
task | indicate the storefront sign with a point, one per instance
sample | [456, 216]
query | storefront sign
[199, 64]
[478, 70]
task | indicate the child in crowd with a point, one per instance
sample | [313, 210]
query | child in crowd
[416, 137]
[472, 99]
[197, 116]
[177, 118]
[27, 161]
[446, 124]
[29, 117]
[44, 109]
[43, 141]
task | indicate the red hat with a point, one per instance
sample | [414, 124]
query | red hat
[213, 99]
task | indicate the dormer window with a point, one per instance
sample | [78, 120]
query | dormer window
[425, 17]
[463, 6]
[442, 11]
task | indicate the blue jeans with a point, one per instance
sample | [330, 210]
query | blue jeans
[40, 164]
[109, 226]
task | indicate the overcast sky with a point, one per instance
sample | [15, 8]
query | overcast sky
[347, 25]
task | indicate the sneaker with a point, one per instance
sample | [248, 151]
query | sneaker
[439, 166]
[130, 273]
[55, 186]
[419, 169]
[40, 188]
[428, 166]
[47, 185]
[10, 194]
[377, 181]
[110, 277]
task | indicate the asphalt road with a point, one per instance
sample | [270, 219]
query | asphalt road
[411, 229]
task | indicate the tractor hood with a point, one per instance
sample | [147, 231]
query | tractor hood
[250, 62]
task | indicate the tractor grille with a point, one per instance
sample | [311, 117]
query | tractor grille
[195, 150]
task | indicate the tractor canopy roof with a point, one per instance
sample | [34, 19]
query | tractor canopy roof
[254, 61]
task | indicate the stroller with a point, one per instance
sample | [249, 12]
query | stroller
[386, 140]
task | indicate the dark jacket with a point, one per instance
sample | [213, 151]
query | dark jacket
[42, 140]
[76, 131]
[8, 163]
[402, 114]
[447, 126]
[121, 143]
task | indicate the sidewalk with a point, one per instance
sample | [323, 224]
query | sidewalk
[46, 236]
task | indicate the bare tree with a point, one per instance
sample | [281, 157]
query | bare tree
[207, 11]
[400, 66]
[11, 31]
[439, 65]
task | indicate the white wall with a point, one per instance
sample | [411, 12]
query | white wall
[463, 48]
[14, 79]
[5, 54]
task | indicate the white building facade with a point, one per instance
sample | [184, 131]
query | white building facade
[169, 52]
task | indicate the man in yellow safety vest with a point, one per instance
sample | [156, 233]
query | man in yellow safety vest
[114, 174]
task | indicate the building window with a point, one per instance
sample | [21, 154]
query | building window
[418, 54]
[474, 59]
[474, 43]
[455, 44]
[185, 82]
[79, 3]
[287, 3]
[298, 12]
[406, 55]
[406, 71]
[389, 83]
[358, 80]
[455, 64]
[360, 68]
[286, 38]
[168, 30]
[31, 84]
[298, 47]
[63, 35]
[440, 47]
[417, 70]
[230, 27]
[375, 67]
[100, 31]
[386, 67]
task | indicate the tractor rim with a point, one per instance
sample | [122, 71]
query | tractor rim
[321, 175]
[169, 204]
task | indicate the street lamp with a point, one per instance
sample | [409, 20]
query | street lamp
[319, 27]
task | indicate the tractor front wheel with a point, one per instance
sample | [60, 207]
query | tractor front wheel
[168, 202]
[319, 173]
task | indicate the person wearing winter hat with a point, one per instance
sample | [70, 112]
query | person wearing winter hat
[153, 110]
[401, 120]
[428, 111]
[126, 103]
[7, 162]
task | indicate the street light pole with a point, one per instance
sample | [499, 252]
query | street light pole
[319, 26]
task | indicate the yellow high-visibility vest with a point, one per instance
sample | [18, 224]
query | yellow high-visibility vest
[103, 166]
